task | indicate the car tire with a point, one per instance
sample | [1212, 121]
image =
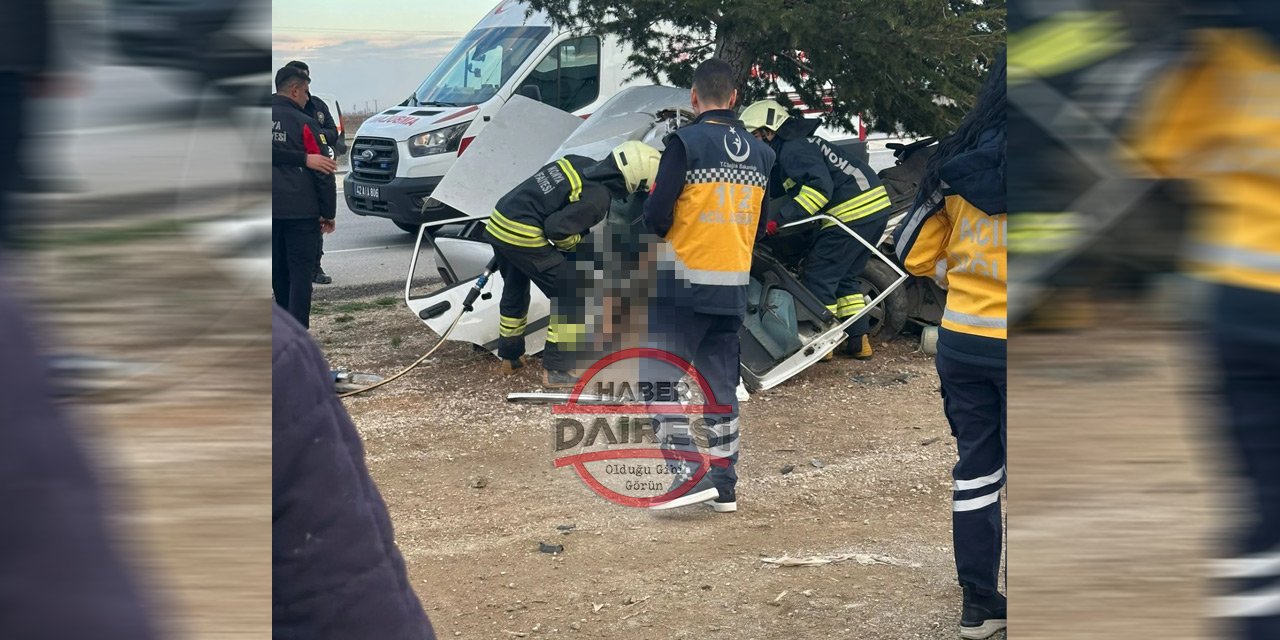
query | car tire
[887, 319]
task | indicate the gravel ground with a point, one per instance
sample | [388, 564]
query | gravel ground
[882, 490]
[183, 443]
[1118, 487]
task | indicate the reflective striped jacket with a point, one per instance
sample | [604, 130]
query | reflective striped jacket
[820, 177]
[958, 237]
[553, 205]
[1214, 120]
[717, 214]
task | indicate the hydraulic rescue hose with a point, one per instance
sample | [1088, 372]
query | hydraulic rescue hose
[472, 295]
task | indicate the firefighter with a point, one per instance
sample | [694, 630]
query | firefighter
[820, 178]
[535, 224]
[956, 231]
[710, 204]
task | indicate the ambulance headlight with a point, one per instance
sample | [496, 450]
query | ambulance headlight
[436, 142]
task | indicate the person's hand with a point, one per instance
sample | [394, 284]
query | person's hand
[327, 225]
[771, 227]
[321, 163]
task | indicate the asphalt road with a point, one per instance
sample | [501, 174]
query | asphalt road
[116, 130]
[125, 146]
[370, 252]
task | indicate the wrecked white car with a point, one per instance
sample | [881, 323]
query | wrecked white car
[788, 329]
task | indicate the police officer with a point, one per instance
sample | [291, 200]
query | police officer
[710, 204]
[957, 227]
[534, 223]
[316, 108]
[303, 193]
[820, 178]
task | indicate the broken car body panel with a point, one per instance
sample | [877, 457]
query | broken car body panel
[646, 113]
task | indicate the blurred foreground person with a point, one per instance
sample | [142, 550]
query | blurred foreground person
[336, 571]
[25, 47]
[956, 233]
[1215, 120]
[59, 575]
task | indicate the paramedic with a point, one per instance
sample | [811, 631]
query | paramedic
[709, 203]
[329, 134]
[303, 194]
[956, 231]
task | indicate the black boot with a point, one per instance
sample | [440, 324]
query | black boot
[322, 277]
[982, 616]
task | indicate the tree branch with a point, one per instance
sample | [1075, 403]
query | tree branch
[799, 65]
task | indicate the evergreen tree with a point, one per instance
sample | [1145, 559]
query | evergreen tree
[910, 64]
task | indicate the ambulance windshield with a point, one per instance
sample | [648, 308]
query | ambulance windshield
[479, 65]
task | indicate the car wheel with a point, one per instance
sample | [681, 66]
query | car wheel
[889, 317]
[408, 228]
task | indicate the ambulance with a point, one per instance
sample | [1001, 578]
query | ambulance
[400, 155]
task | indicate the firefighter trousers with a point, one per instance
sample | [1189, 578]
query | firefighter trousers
[545, 268]
[833, 268]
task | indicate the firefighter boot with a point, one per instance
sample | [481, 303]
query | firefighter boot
[558, 379]
[832, 353]
[859, 348]
[509, 367]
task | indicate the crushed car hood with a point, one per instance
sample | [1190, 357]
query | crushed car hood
[632, 114]
[526, 134]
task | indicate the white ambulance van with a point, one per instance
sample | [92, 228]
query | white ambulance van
[399, 156]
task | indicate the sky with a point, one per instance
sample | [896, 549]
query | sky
[362, 51]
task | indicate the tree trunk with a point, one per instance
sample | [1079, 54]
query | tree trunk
[732, 48]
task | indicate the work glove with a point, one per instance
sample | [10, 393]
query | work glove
[568, 244]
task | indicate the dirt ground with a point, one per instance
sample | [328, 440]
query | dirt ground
[1116, 499]
[183, 443]
[1118, 484]
[883, 487]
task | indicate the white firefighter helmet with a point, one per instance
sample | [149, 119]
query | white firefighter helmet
[638, 163]
[765, 114]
